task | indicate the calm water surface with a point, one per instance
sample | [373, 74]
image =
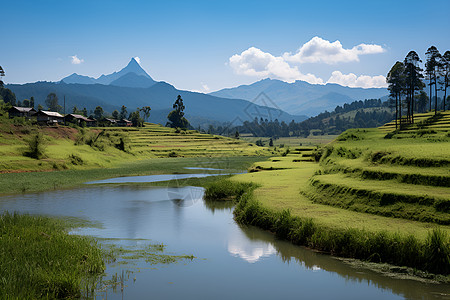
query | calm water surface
[232, 262]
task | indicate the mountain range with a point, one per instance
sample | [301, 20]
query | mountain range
[130, 76]
[133, 87]
[300, 97]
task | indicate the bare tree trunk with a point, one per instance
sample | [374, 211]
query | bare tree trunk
[412, 108]
[396, 111]
[409, 107]
[400, 110]
[435, 95]
[431, 97]
[445, 89]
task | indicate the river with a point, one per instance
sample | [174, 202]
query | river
[231, 261]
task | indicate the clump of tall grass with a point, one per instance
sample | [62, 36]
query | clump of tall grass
[432, 255]
[226, 190]
[36, 147]
[437, 252]
[39, 259]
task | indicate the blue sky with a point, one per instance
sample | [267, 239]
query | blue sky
[209, 45]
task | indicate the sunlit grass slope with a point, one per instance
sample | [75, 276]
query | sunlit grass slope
[375, 179]
[396, 173]
[77, 148]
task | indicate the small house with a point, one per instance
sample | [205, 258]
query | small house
[79, 119]
[49, 117]
[106, 122]
[124, 123]
[17, 111]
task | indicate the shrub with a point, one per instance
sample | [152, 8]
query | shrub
[349, 136]
[286, 152]
[35, 147]
[75, 160]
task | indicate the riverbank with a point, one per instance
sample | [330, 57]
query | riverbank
[26, 182]
[39, 259]
[395, 246]
[377, 194]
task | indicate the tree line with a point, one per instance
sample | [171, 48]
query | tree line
[325, 123]
[406, 83]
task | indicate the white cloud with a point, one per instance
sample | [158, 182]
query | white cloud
[363, 81]
[318, 50]
[137, 58]
[255, 62]
[76, 60]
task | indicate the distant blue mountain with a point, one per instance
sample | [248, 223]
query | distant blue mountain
[131, 76]
[201, 109]
[300, 97]
[133, 80]
[75, 78]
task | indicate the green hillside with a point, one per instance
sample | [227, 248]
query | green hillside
[402, 174]
[77, 148]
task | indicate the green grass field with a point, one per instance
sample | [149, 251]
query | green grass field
[76, 148]
[365, 180]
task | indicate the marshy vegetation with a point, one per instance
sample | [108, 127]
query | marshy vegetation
[39, 259]
[431, 255]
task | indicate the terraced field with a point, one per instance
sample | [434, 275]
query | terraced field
[76, 148]
[377, 179]
[158, 141]
[396, 173]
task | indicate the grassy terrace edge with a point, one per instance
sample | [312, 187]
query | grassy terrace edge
[430, 255]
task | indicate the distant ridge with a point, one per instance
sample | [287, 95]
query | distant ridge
[131, 76]
[201, 109]
[300, 97]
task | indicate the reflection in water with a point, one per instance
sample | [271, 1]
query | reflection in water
[260, 266]
[247, 249]
[212, 205]
[205, 169]
[186, 196]
[312, 260]
[150, 178]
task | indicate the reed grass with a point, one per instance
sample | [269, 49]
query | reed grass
[227, 190]
[39, 259]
